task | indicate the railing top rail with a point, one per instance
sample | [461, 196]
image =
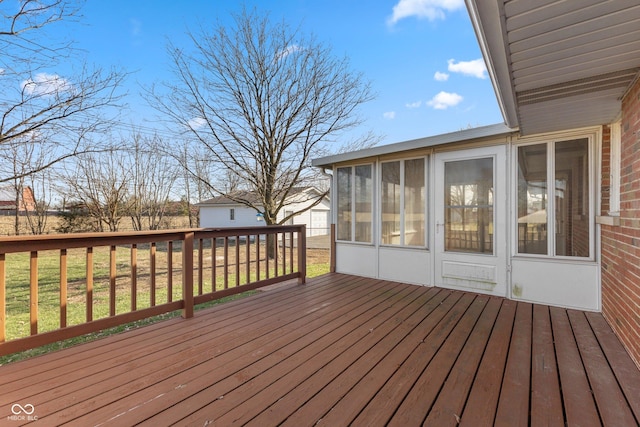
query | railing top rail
[13, 244]
[246, 231]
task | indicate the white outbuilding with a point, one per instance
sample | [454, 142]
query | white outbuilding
[227, 211]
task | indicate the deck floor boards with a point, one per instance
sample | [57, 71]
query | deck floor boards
[482, 403]
[341, 350]
[578, 400]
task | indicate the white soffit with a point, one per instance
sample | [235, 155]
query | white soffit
[568, 62]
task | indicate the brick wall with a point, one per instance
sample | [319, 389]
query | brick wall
[621, 244]
[28, 202]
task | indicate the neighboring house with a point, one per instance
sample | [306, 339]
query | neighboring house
[544, 208]
[223, 211]
[26, 201]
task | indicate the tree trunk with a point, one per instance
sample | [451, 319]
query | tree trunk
[16, 219]
[272, 245]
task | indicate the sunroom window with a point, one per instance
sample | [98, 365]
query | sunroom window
[354, 205]
[554, 219]
[403, 196]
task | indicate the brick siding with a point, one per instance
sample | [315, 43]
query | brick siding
[621, 244]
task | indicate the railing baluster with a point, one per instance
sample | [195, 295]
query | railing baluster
[275, 253]
[248, 258]
[200, 266]
[152, 274]
[89, 270]
[267, 255]
[226, 262]
[134, 277]
[291, 252]
[33, 293]
[258, 256]
[63, 288]
[170, 271]
[284, 253]
[3, 299]
[267, 250]
[112, 280]
[214, 261]
[237, 261]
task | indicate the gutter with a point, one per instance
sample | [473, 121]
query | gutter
[487, 18]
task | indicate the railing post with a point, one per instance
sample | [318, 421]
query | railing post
[187, 275]
[302, 254]
[3, 299]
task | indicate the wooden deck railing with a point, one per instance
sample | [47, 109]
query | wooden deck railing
[108, 274]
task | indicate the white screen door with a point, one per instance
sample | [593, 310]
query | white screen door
[471, 230]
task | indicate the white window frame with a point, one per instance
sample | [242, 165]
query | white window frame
[614, 168]
[550, 140]
[353, 201]
[286, 214]
[402, 202]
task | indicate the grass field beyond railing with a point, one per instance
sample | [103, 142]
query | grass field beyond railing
[57, 287]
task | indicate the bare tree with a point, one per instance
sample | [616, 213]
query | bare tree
[99, 183]
[38, 105]
[197, 171]
[15, 160]
[153, 179]
[186, 199]
[262, 100]
[41, 186]
[22, 19]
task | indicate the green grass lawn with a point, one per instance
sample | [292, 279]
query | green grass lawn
[18, 289]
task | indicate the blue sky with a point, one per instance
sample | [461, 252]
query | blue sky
[421, 56]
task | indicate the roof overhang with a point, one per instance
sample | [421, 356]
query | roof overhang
[558, 65]
[479, 133]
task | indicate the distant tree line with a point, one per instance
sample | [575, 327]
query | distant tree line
[137, 181]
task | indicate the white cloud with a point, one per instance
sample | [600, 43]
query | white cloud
[475, 68]
[197, 123]
[444, 100]
[288, 51]
[46, 84]
[135, 26]
[441, 77]
[429, 9]
[416, 104]
[389, 115]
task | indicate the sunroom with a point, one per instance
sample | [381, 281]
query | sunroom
[484, 210]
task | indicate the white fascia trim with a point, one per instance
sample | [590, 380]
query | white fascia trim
[487, 23]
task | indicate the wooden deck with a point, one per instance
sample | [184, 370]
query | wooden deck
[340, 350]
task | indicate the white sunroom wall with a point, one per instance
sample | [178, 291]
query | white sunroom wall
[560, 281]
[399, 260]
[353, 257]
[373, 259]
